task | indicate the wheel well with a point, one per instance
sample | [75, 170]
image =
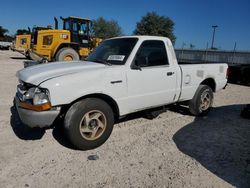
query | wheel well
[109, 100]
[209, 82]
[67, 45]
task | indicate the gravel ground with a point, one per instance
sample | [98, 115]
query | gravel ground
[172, 150]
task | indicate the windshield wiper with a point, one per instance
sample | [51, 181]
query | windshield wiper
[102, 62]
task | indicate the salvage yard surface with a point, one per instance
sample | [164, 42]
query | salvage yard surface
[173, 150]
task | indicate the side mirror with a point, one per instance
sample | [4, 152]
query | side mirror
[142, 61]
[135, 66]
[139, 62]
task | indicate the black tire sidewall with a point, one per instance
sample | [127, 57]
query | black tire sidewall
[194, 105]
[74, 117]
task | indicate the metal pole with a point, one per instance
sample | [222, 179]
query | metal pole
[206, 52]
[234, 52]
[183, 44]
[214, 27]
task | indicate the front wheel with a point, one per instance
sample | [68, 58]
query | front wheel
[202, 101]
[89, 123]
[67, 54]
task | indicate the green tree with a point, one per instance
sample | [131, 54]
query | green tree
[8, 38]
[153, 24]
[3, 31]
[106, 28]
[22, 32]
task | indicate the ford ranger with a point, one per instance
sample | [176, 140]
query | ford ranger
[121, 76]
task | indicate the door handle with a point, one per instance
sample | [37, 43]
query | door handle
[115, 82]
[170, 73]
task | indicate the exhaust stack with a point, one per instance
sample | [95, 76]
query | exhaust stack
[56, 23]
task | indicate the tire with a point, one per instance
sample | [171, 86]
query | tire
[67, 54]
[27, 55]
[89, 123]
[199, 106]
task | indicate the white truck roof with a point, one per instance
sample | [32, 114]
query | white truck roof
[144, 37]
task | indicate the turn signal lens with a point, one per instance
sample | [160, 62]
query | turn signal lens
[42, 107]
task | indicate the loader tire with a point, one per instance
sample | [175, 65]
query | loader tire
[67, 54]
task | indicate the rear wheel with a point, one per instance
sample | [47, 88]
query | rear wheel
[27, 55]
[202, 101]
[67, 54]
[89, 123]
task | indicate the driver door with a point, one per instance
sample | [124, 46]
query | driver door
[153, 82]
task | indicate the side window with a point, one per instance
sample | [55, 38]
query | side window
[75, 26]
[151, 53]
[23, 41]
[83, 29]
[67, 26]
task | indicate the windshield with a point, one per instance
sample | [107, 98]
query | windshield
[114, 51]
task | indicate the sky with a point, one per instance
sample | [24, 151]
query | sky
[193, 18]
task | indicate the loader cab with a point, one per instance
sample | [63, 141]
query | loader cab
[79, 29]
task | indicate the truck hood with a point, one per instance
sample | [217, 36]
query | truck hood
[37, 74]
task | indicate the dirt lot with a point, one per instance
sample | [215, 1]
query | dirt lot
[173, 150]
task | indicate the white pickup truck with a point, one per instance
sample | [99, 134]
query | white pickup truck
[123, 75]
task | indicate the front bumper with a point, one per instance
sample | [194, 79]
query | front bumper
[33, 119]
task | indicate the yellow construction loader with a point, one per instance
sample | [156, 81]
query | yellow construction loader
[23, 42]
[73, 42]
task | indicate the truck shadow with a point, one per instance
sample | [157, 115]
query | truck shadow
[19, 58]
[60, 135]
[220, 142]
[29, 63]
[181, 109]
[22, 131]
[239, 83]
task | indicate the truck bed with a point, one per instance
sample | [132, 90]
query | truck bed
[194, 74]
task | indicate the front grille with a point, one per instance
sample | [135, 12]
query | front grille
[20, 91]
[22, 88]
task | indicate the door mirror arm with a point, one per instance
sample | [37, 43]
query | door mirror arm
[135, 67]
[139, 62]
